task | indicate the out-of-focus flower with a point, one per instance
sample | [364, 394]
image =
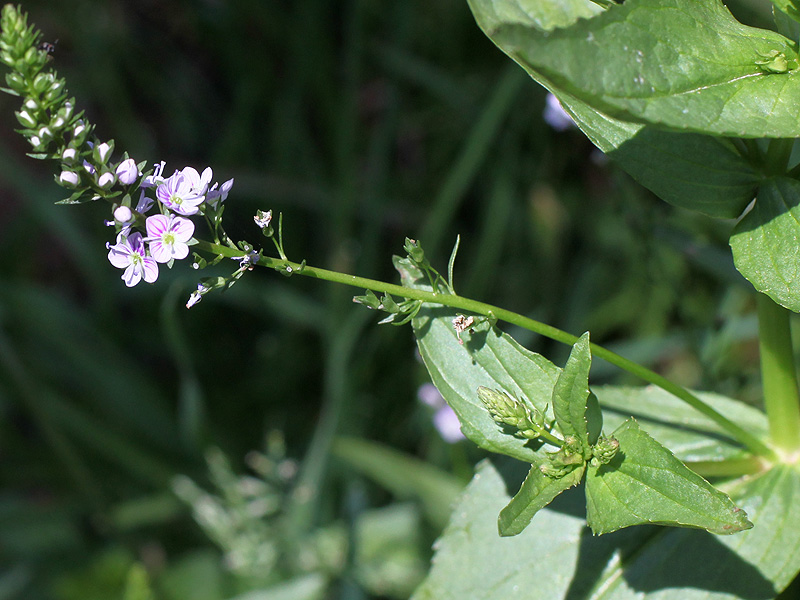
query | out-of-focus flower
[444, 418]
[555, 115]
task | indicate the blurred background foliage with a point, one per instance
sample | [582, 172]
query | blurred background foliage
[269, 443]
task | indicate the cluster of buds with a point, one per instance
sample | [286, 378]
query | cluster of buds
[529, 422]
[49, 121]
[566, 459]
[56, 131]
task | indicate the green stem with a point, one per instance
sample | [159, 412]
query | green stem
[730, 468]
[779, 382]
[779, 152]
[746, 438]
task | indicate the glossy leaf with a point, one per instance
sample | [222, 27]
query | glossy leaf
[765, 242]
[689, 170]
[684, 64]
[645, 483]
[537, 491]
[487, 357]
[572, 391]
[686, 432]
[657, 563]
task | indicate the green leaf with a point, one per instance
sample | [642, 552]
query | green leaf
[789, 8]
[557, 557]
[645, 483]
[689, 170]
[765, 242]
[537, 491]
[688, 433]
[684, 64]
[572, 391]
[487, 357]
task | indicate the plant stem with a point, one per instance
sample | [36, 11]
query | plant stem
[745, 437]
[779, 382]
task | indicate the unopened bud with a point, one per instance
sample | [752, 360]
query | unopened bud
[68, 179]
[25, 119]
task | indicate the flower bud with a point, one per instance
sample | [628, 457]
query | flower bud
[68, 179]
[127, 172]
[15, 81]
[123, 215]
[65, 112]
[25, 118]
[42, 82]
[56, 89]
[31, 104]
[106, 180]
[102, 152]
[69, 155]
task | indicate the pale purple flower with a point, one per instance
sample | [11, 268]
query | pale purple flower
[156, 178]
[555, 115]
[444, 418]
[129, 254]
[447, 424]
[167, 236]
[215, 195]
[127, 172]
[428, 394]
[89, 167]
[144, 204]
[184, 191]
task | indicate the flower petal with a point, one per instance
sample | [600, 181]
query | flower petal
[150, 270]
[183, 229]
[157, 226]
[160, 251]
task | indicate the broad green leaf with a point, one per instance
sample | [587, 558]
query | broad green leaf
[765, 242]
[571, 392]
[689, 170]
[537, 491]
[542, 14]
[684, 64]
[646, 562]
[689, 434]
[487, 357]
[405, 476]
[645, 483]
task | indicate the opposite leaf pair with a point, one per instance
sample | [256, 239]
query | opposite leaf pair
[631, 479]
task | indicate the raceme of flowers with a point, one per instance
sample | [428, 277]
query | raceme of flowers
[168, 232]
